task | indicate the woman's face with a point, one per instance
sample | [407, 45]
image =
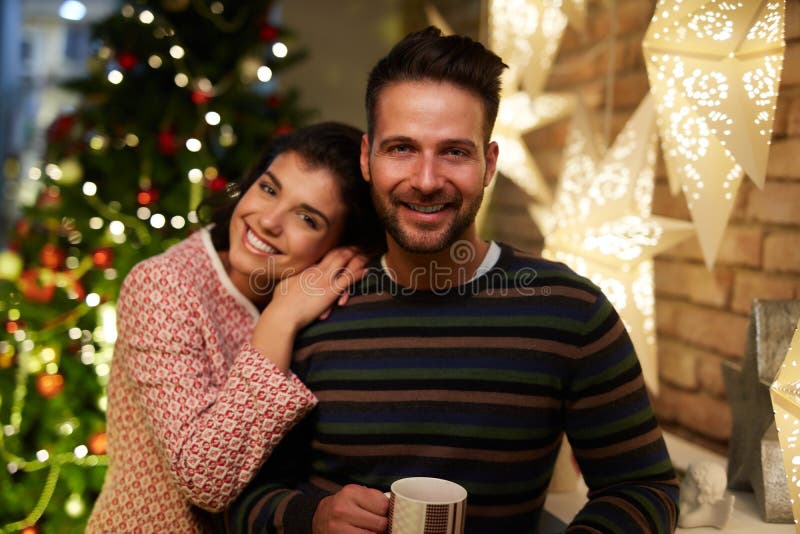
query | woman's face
[286, 221]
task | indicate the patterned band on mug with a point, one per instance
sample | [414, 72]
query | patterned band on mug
[406, 517]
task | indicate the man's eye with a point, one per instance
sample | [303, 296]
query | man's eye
[456, 152]
[400, 148]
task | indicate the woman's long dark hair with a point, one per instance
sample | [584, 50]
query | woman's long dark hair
[329, 145]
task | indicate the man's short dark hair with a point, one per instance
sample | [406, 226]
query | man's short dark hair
[429, 55]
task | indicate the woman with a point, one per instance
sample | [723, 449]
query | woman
[200, 391]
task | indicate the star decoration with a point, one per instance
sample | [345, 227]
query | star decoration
[601, 223]
[518, 114]
[785, 394]
[526, 34]
[715, 68]
[575, 10]
[747, 387]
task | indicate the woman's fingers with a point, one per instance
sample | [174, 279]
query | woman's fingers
[342, 267]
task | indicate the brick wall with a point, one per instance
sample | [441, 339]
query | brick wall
[702, 316]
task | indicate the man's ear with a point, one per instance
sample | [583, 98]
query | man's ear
[492, 153]
[365, 158]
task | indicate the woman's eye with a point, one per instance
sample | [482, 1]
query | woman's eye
[267, 188]
[309, 221]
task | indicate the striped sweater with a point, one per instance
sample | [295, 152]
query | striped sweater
[477, 385]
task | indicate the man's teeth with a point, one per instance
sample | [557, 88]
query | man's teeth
[260, 245]
[426, 209]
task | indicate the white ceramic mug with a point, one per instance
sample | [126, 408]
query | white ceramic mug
[422, 505]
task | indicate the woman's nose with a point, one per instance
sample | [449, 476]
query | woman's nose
[271, 221]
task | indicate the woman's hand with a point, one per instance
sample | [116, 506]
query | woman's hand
[302, 298]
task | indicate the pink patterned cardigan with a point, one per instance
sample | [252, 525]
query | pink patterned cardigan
[193, 410]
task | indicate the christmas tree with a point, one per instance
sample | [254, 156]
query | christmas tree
[177, 101]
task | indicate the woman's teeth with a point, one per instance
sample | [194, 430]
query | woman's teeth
[258, 244]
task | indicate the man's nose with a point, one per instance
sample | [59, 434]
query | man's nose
[427, 176]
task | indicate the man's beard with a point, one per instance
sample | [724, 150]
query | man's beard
[421, 241]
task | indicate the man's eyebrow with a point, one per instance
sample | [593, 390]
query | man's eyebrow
[446, 142]
[306, 207]
[395, 139]
[461, 142]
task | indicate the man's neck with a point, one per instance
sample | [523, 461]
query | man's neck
[436, 271]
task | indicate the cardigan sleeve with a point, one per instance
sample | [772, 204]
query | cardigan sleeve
[214, 432]
[615, 437]
[279, 499]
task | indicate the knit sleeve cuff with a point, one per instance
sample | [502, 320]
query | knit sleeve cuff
[266, 380]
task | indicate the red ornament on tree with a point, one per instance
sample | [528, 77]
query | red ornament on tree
[200, 97]
[267, 33]
[218, 184]
[127, 60]
[97, 443]
[147, 196]
[33, 529]
[22, 227]
[166, 143]
[48, 385]
[34, 288]
[51, 256]
[103, 257]
[49, 198]
[60, 127]
[283, 129]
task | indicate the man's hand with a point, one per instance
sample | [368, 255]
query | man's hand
[353, 510]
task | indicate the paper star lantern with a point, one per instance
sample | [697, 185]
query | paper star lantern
[755, 445]
[526, 34]
[714, 67]
[518, 114]
[575, 10]
[601, 223]
[785, 394]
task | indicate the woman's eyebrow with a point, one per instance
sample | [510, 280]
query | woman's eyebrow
[274, 178]
[305, 206]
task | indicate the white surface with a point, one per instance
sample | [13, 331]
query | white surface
[745, 518]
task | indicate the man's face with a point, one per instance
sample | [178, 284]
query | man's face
[427, 165]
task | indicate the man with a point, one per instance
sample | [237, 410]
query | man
[457, 358]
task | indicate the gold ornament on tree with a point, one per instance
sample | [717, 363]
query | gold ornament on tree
[601, 223]
[715, 69]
